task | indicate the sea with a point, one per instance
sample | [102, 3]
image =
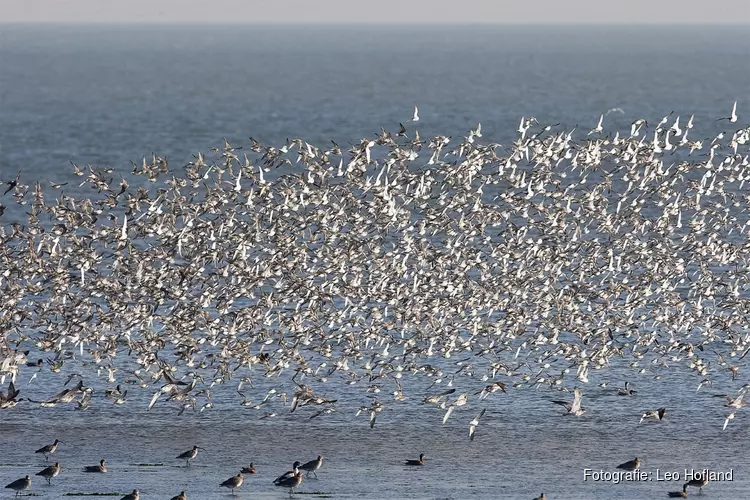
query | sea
[107, 96]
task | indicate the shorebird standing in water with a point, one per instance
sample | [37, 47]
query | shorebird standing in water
[288, 474]
[416, 462]
[291, 482]
[136, 495]
[189, 455]
[20, 485]
[49, 449]
[631, 465]
[699, 481]
[49, 472]
[312, 466]
[233, 482]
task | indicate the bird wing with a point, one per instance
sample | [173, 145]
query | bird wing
[153, 400]
[448, 413]
[726, 421]
[12, 392]
[576, 400]
[473, 424]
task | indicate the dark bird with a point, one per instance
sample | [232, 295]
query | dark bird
[626, 391]
[189, 455]
[288, 474]
[312, 466]
[49, 449]
[233, 482]
[136, 495]
[249, 469]
[12, 184]
[291, 482]
[416, 462]
[20, 484]
[631, 465]
[655, 414]
[49, 472]
[96, 468]
[8, 399]
[699, 481]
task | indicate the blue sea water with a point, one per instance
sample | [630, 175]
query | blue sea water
[108, 95]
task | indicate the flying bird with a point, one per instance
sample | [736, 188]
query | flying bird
[473, 425]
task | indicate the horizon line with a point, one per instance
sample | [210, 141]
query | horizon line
[397, 24]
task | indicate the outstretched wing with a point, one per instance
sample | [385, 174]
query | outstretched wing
[576, 401]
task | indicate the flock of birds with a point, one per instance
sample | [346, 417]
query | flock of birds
[480, 267]
[290, 479]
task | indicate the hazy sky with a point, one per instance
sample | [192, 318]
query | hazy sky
[376, 11]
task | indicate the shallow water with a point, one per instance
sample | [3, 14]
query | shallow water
[523, 445]
[109, 96]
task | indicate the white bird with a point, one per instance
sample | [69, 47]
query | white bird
[124, 231]
[726, 421]
[473, 424]
[521, 128]
[676, 127]
[635, 127]
[415, 118]
[599, 129]
[733, 118]
[460, 401]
